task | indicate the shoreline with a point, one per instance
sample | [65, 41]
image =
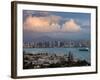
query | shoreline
[46, 60]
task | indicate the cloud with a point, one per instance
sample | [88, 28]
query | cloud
[50, 24]
[71, 26]
[35, 13]
[42, 24]
[54, 18]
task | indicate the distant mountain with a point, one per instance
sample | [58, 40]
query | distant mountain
[46, 38]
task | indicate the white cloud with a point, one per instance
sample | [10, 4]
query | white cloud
[71, 26]
[42, 24]
[50, 24]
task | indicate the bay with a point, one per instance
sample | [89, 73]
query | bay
[82, 55]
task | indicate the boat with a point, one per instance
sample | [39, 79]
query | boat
[84, 49]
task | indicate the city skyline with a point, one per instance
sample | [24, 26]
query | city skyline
[57, 44]
[48, 25]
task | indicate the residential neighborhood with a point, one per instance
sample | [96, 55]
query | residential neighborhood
[45, 60]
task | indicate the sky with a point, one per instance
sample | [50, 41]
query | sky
[49, 25]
